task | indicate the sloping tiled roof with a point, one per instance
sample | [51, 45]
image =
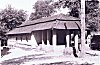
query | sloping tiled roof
[50, 18]
[57, 22]
[29, 29]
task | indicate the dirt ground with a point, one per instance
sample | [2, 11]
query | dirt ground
[39, 58]
[22, 60]
[45, 59]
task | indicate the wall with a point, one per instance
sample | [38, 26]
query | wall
[11, 40]
[40, 36]
[44, 36]
[50, 34]
[22, 39]
[37, 36]
[34, 38]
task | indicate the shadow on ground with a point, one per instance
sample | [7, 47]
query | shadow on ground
[20, 60]
[65, 63]
[37, 57]
[4, 51]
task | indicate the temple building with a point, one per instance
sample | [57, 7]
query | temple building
[54, 30]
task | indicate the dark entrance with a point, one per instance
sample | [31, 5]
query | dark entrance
[61, 37]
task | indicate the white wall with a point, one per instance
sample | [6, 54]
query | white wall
[33, 38]
[11, 40]
[16, 39]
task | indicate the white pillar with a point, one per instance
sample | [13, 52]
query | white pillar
[88, 39]
[76, 42]
[33, 41]
[48, 43]
[67, 40]
[54, 39]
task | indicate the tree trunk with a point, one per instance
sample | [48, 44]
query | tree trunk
[82, 28]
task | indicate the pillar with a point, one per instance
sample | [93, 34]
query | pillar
[54, 40]
[67, 40]
[33, 41]
[48, 42]
[76, 42]
[42, 39]
[88, 39]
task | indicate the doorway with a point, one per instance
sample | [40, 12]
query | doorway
[61, 37]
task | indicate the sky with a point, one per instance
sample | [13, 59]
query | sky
[25, 5]
[18, 4]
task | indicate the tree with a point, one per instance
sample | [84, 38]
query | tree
[73, 5]
[92, 15]
[11, 18]
[42, 9]
[82, 28]
[46, 8]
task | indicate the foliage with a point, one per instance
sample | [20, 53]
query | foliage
[11, 18]
[92, 15]
[73, 5]
[42, 9]
[46, 8]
